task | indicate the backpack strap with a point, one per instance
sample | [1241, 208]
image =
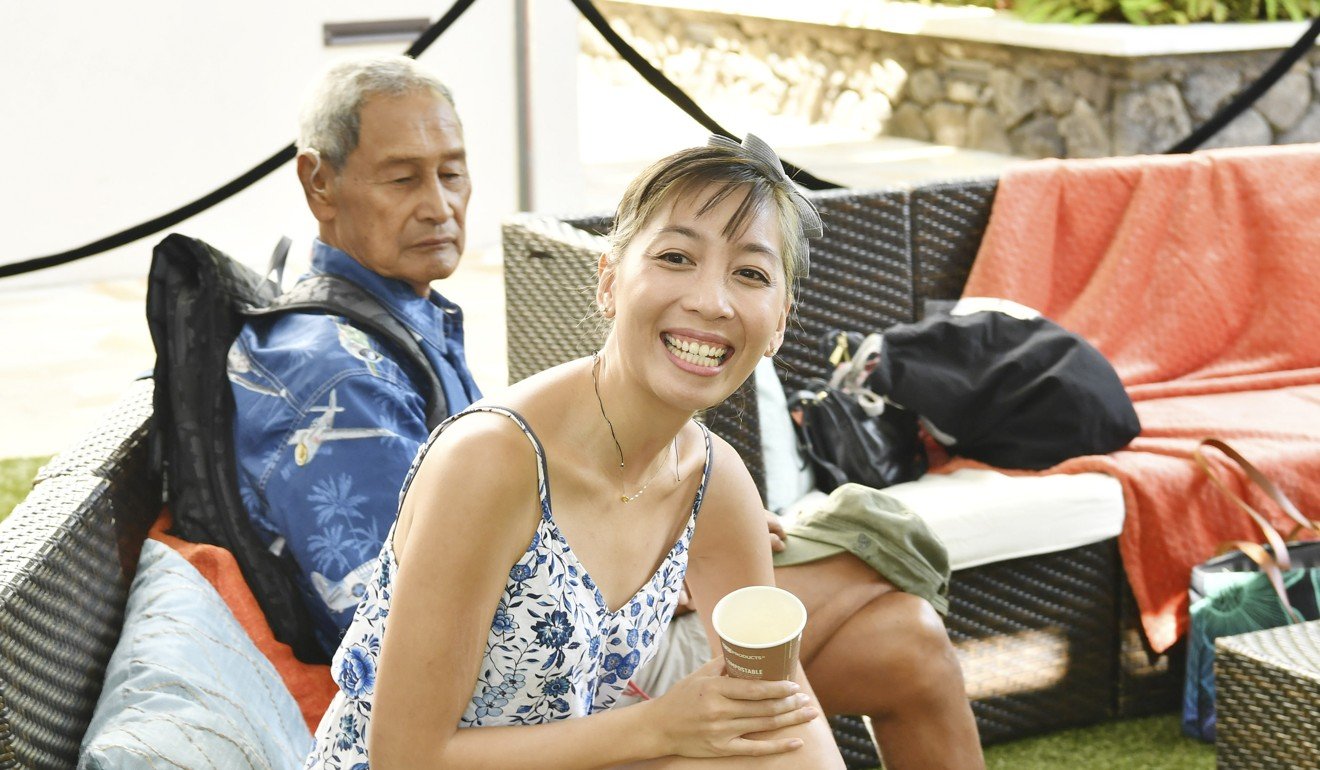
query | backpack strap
[334, 295]
[277, 259]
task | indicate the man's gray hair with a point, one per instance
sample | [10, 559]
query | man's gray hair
[331, 116]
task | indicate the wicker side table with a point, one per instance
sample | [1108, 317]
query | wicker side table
[1268, 698]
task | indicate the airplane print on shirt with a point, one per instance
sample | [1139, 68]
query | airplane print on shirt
[306, 442]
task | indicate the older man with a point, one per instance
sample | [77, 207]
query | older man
[328, 417]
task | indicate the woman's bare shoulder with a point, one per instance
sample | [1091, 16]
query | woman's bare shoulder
[478, 483]
[728, 472]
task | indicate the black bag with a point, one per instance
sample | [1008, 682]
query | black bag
[197, 302]
[848, 433]
[1011, 391]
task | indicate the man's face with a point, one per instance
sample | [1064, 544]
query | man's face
[399, 204]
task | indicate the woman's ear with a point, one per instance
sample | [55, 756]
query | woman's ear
[315, 177]
[605, 273]
[778, 340]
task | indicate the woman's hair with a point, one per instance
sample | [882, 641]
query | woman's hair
[331, 115]
[717, 172]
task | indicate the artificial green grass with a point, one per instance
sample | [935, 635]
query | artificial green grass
[16, 480]
[1149, 743]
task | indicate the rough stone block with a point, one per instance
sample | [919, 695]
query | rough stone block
[873, 113]
[971, 70]
[1149, 119]
[890, 76]
[909, 122]
[985, 131]
[1088, 84]
[962, 92]
[924, 87]
[948, 123]
[1015, 97]
[1083, 131]
[1250, 129]
[925, 53]
[1306, 130]
[844, 108]
[1037, 138]
[1057, 98]
[1286, 101]
[1208, 89]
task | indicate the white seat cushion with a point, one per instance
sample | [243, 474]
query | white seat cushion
[985, 516]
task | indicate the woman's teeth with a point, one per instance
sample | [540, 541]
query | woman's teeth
[697, 353]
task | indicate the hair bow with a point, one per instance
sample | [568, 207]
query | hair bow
[753, 148]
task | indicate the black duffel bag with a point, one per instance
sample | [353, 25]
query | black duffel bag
[848, 433]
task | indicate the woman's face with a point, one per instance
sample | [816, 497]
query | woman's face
[694, 309]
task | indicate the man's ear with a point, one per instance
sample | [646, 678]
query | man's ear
[605, 274]
[316, 178]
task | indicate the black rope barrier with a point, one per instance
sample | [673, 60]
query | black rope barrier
[652, 76]
[226, 191]
[675, 94]
[1250, 94]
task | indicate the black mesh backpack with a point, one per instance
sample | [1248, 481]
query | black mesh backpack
[197, 301]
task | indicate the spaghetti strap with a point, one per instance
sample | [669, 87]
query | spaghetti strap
[542, 483]
[705, 471]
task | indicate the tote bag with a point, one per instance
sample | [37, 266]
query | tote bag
[1250, 587]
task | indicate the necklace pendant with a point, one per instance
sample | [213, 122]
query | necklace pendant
[625, 498]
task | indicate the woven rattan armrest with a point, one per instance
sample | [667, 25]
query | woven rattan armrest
[1267, 698]
[67, 556]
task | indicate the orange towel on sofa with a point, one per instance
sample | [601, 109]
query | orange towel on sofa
[1198, 277]
[310, 684]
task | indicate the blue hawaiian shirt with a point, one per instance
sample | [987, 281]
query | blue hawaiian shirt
[327, 422]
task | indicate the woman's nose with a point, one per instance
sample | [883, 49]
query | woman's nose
[709, 297]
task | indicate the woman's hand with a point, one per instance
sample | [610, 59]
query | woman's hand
[710, 715]
[778, 540]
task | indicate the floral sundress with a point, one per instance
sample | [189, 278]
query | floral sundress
[554, 651]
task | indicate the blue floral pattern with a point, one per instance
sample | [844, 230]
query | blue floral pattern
[554, 651]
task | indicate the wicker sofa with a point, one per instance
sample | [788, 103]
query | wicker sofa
[69, 551]
[884, 255]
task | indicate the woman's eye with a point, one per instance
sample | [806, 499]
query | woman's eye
[754, 274]
[672, 257]
[401, 180]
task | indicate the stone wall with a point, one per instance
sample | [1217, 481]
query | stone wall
[1007, 99]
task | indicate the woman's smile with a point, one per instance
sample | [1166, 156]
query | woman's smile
[700, 354]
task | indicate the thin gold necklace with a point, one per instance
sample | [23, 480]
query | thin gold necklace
[673, 445]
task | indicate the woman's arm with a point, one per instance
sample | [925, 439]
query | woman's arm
[467, 518]
[730, 551]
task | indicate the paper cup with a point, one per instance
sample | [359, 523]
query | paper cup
[760, 630]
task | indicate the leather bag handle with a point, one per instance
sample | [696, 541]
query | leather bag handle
[1272, 536]
[1268, 487]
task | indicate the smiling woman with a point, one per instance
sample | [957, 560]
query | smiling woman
[498, 607]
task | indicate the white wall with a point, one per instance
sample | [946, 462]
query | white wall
[114, 113]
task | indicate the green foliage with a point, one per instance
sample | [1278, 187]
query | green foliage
[16, 481]
[1154, 11]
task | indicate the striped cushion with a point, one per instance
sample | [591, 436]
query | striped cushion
[185, 686]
